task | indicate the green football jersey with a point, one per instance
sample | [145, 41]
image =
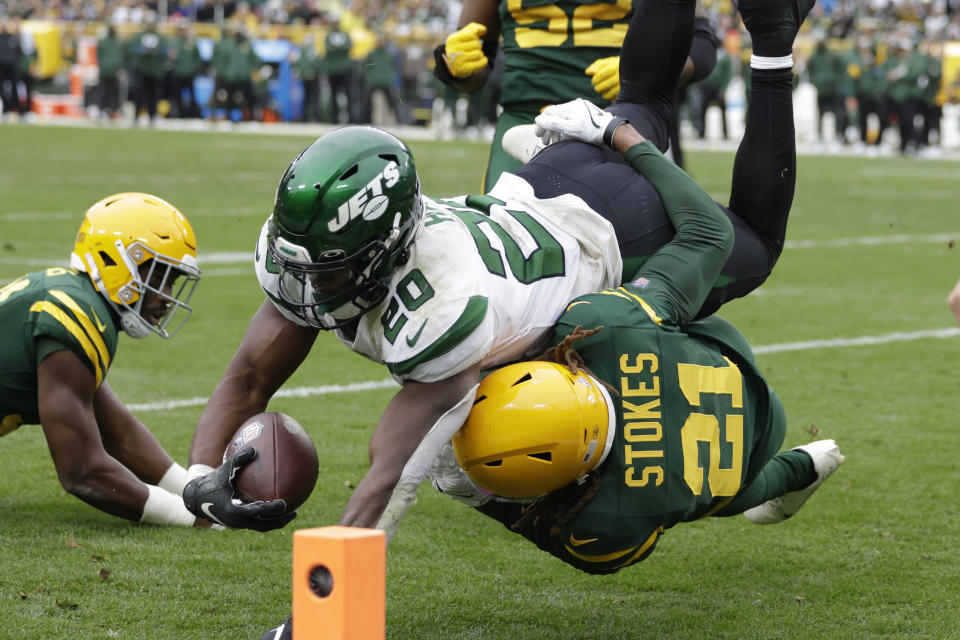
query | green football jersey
[548, 45]
[41, 313]
[695, 423]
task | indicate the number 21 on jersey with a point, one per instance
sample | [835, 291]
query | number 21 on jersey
[703, 427]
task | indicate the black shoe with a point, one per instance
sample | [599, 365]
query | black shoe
[773, 24]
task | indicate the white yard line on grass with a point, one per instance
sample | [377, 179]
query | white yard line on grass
[295, 392]
[858, 342]
[37, 216]
[306, 392]
[866, 241]
[242, 257]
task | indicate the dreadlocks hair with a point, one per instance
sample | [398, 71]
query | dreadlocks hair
[565, 354]
[579, 492]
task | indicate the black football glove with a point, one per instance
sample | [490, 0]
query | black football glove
[212, 497]
[283, 632]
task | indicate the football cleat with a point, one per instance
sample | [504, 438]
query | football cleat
[773, 24]
[282, 632]
[826, 458]
[522, 143]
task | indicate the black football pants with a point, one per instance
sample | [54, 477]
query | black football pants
[764, 173]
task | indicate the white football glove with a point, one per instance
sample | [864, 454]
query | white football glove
[447, 477]
[577, 120]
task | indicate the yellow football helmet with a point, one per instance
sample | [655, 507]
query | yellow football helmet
[122, 233]
[535, 427]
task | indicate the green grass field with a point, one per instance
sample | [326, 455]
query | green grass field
[872, 555]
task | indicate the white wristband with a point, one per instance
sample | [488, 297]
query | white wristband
[174, 480]
[163, 507]
[765, 62]
[197, 470]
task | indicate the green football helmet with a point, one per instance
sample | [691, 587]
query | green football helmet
[345, 213]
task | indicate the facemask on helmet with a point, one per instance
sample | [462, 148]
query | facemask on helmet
[535, 427]
[140, 252]
[346, 211]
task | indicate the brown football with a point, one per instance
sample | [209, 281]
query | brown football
[286, 465]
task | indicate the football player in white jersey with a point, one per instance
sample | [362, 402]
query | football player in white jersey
[439, 290]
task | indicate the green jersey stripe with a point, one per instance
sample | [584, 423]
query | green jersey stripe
[468, 321]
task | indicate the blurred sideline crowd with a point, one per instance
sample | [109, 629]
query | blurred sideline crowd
[877, 71]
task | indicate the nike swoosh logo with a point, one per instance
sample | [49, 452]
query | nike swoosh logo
[416, 336]
[205, 507]
[577, 543]
[100, 326]
[592, 121]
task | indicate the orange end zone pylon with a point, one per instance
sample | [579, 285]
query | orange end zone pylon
[339, 584]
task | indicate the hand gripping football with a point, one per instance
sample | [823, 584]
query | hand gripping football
[286, 466]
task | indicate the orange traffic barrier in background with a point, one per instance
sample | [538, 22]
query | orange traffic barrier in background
[339, 584]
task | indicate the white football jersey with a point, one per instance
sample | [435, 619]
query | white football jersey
[486, 279]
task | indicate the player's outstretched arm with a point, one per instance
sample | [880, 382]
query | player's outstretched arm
[271, 350]
[408, 418]
[133, 445]
[681, 272]
[65, 393]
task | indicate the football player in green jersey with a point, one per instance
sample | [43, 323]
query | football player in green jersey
[554, 51]
[641, 417]
[133, 268]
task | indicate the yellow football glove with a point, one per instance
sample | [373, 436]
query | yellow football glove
[605, 76]
[464, 51]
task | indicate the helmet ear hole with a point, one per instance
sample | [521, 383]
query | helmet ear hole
[526, 378]
[544, 455]
[349, 172]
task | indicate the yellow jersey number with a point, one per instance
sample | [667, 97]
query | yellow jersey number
[700, 427]
[560, 26]
[11, 422]
[10, 289]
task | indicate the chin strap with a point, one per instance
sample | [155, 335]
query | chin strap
[130, 321]
[132, 324]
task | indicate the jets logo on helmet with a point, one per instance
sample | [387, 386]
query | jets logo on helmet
[361, 204]
[346, 210]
